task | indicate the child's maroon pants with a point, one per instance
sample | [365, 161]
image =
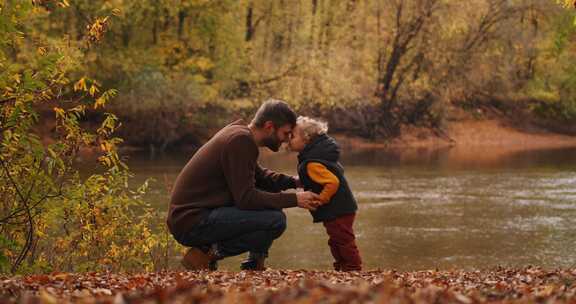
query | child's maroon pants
[342, 243]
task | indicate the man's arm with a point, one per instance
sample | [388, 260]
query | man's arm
[240, 167]
[271, 181]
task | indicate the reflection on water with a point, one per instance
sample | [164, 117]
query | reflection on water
[422, 209]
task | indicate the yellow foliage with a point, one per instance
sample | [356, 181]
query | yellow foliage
[59, 112]
[80, 85]
[567, 3]
[99, 103]
[203, 63]
[93, 90]
[41, 51]
[199, 78]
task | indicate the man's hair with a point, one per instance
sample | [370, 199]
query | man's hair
[311, 127]
[276, 111]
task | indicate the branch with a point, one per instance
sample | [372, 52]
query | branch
[48, 88]
[27, 209]
[34, 205]
[7, 100]
[7, 171]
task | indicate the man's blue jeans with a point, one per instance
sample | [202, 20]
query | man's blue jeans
[236, 231]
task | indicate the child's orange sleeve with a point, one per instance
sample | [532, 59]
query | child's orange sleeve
[321, 175]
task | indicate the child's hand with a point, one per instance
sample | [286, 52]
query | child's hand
[308, 200]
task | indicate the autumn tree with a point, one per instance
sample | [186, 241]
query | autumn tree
[52, 217]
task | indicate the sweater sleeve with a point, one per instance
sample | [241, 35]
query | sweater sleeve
[321, 175]
[239, 166]
[271, 181]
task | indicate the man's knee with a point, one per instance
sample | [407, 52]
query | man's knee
[278, 220]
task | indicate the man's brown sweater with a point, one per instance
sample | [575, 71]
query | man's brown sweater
[225, 172]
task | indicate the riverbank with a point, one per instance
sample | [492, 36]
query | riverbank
[525, 285]
[460, 135]
[495, 133]
[487, 126]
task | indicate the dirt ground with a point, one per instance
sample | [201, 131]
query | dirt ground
[471, 133]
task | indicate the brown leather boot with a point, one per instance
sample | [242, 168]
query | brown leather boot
[196, 259]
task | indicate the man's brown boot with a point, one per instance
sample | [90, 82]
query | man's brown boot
[196, 259]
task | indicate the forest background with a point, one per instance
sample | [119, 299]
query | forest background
[173, 71]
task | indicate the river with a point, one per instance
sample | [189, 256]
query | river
[465, 208]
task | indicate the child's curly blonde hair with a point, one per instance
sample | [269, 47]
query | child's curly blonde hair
[311, 127]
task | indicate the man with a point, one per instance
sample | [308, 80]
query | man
[224, 204]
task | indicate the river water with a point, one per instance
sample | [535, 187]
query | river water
[426, 209]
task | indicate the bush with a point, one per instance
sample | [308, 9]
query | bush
[51, 217]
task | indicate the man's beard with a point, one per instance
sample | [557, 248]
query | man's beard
[272, 143]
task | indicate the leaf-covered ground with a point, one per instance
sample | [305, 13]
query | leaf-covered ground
[286, 286]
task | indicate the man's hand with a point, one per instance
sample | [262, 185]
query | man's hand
[308, 200]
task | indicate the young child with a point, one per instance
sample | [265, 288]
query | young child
[320, 172]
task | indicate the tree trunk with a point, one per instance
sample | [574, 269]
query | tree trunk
[181, 18]
[249, 22]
